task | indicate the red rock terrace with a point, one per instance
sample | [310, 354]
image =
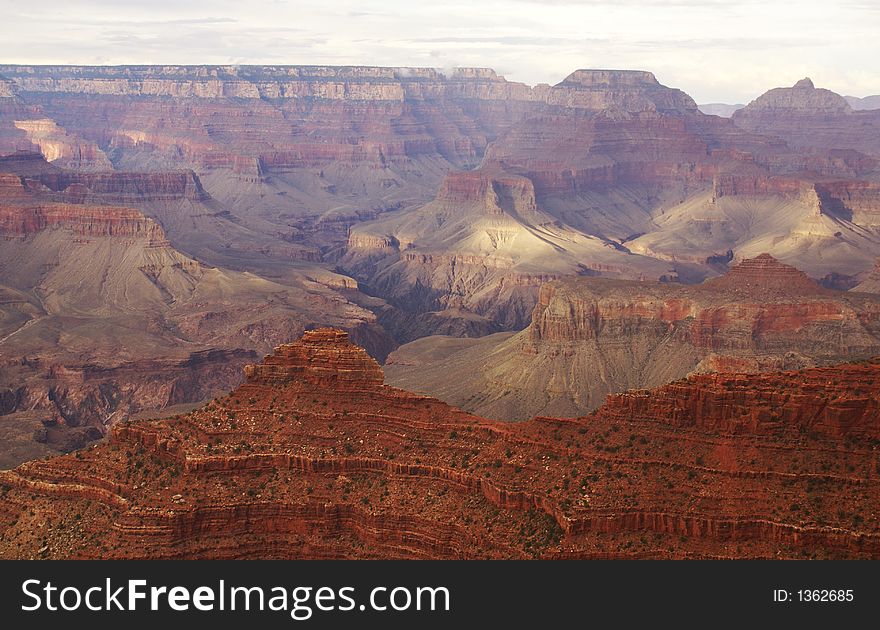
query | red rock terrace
[313, 457]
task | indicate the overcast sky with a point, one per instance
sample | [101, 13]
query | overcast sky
[716, 50]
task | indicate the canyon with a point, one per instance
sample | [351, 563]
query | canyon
[313, 457]
[101, 317]
[612, 325]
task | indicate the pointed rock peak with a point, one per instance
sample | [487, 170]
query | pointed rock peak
[805, 83]
[764, 273]
[323, 357]
[763, 259]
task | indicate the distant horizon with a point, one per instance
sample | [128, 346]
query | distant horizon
[716, 50]
[435, 68]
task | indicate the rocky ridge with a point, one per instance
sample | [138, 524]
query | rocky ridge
[324, 463]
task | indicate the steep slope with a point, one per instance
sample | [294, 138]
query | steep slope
[314, 458]
[590, 337]
[825, 227]
[101, 317]
[482, 246]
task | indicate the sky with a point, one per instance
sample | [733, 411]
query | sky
[715, 50]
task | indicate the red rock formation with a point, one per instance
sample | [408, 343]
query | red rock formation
[335, 465]
[758, 299]
[90, 221]
[835, 402]
[119, 187]
[589, 337]
[856, 201]
[733, 184]
[322, 358]
[764, 277]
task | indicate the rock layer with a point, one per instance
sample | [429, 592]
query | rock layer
[807, 116]
[328, 465]
[101, 317]
[590, 336]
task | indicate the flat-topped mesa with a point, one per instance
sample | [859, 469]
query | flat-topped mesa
[41, 176]
[610, 79]
[323, 357]
[84, 220]
[495, 192]
[120, 187]
[764, 274]
[465, 187]
[802, 98]
[626, 90]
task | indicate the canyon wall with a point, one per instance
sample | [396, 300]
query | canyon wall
[591, 336]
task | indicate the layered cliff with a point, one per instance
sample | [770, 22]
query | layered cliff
[806, 116]
[95, 221]
[590, 336]
[61, 147]
[324, 463]
[250, 166]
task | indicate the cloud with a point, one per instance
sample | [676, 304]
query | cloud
[716, 50]
[509, 40]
